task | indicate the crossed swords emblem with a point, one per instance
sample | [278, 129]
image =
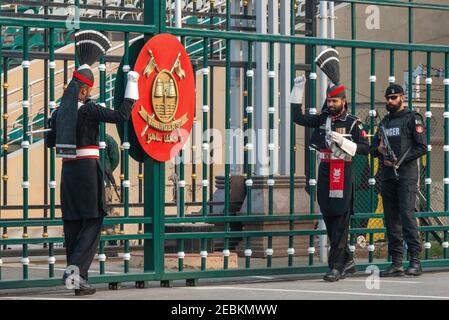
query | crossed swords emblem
[152, 65]
[149, 69]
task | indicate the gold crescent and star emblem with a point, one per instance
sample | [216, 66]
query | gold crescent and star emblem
[164, 98]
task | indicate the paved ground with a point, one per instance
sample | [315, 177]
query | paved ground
[432, 285]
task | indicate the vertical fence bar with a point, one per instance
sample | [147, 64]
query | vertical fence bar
[126, 183]
[410, 58]
[292, 133]
[122, 178]
[312, 158]
[446, 147]
[227, 128]
[194, 151]
[271, 146]
[193, 137]
[211, 124]
[102, 145]
[154, 171]
[410, 66]
[391, 79]
[5, 141]
[25, 146]
[428, 180]
[249, 149]
[353, 98]
[181, 213]
[353, 62]
[3, 128]
[140, 179]
[77, 16]
[66, 70]
[372, 181]
[46, 174]
[181, 192]
[245, 102]
[52, 183]
[205, 147]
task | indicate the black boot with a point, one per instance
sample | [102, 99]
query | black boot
[395, 269]
[414, 268]
[349, 268]
[84, 288]
[392, 271]
[332, 275]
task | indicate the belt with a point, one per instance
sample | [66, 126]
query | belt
[86, 152]
[326, 155]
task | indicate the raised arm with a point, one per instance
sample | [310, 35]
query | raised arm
[306, 120]
[101, 114]
[96, 111]
[295, 100]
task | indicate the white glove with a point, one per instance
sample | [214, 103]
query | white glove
[132, 89]
[297, 93]
[336, 137]
[345, 144]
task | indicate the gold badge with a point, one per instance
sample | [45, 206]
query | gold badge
[164, 98]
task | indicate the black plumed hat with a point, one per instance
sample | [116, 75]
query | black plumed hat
[329, 62]
[90, 46]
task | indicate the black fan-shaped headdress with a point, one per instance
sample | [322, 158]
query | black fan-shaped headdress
[91, 45]
[329, 62]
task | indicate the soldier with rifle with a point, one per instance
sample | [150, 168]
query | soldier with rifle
[399, 142]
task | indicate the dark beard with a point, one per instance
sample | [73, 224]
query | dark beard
[335, 112]
[392, 109]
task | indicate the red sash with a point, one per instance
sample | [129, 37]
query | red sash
[337, 178]
[337, 174]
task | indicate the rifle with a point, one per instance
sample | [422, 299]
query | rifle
[390, 155]
[111, 178]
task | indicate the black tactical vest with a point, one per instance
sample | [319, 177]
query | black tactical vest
[400, 136]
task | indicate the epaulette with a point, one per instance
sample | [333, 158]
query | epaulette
[353, 117]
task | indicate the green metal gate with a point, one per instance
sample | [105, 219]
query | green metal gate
[152, 221]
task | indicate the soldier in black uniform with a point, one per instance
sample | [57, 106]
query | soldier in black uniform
[338, 137]
[75, 133]
[405, 131]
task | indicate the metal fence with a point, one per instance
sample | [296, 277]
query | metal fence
[217, 223]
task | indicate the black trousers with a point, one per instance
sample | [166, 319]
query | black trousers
[398, 197]
[337, 230]
[81, 240]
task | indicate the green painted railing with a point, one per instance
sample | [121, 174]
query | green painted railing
[153, 216]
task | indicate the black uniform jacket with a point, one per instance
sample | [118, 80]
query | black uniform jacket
[82, 180]
[405, 131]
[347, 124]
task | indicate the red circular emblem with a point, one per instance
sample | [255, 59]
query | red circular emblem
[163, 115]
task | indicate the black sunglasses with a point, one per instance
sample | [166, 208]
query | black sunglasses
[393, 97]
